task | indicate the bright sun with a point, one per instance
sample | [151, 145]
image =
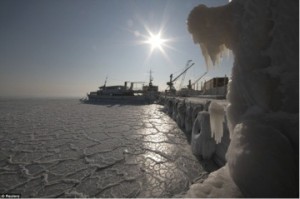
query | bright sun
[155, 41]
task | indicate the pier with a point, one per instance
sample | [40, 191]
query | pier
[204, 122]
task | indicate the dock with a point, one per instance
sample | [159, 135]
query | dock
[203, 119]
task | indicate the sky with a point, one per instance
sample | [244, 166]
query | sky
[67, 48]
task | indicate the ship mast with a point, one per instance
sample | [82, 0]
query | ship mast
[105, 82]
[151, 79]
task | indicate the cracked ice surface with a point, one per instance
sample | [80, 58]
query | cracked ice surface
[61, 148]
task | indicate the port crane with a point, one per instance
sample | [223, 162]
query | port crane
[192, 85]
[171, 82]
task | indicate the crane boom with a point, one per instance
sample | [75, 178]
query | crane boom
[170, 83]
[183, 72]
[192, 85]
[197, 80]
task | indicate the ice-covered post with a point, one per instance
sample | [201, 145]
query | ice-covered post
[263, 94]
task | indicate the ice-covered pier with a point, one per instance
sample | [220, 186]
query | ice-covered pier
[204, 122]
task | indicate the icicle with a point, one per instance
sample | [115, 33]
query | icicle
[216, 113]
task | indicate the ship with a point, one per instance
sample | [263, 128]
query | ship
[124, 93]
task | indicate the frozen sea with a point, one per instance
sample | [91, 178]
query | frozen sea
[62, 148]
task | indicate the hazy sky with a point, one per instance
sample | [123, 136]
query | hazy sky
[68, 47]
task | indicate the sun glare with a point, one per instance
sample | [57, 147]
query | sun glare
[155, 41]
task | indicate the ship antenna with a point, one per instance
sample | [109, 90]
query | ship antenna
[151, 78]
[105, 82]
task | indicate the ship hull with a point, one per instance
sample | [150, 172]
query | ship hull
[106, 99]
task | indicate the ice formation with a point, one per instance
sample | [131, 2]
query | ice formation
[263, 94]
[217, 184]
[188, 119]
[202, 143]
[216, 114]
[175, 110]
[180, 118]
[196, 117]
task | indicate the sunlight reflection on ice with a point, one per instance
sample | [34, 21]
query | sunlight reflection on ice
[92, 151]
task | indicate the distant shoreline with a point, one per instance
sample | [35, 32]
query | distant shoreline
[28, 97]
